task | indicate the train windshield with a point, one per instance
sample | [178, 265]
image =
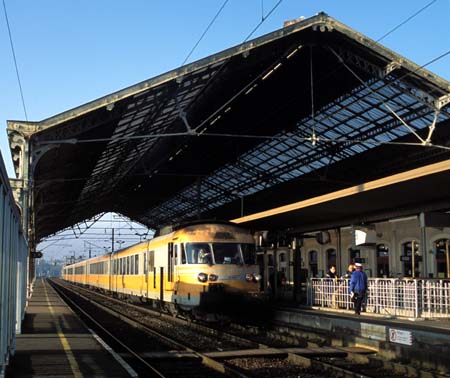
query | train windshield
[227, 253]
[220, 253]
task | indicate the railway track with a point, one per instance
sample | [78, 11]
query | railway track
[147, 352]
[237, 351]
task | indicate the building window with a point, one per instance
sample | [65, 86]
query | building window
[382, 260]
[408, 261]
[331, 258]
[442, 260]
[313, 257]
[355, 255]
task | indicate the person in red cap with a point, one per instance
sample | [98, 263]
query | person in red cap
[358, 287]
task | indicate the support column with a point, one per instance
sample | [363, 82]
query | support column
[19, 134]
[423, 249]
[339, 266]
[297, 269]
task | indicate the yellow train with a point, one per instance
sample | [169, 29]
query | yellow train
[197, 268]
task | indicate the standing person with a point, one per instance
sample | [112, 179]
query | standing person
[330, 286]
[350, 270]
[358, 287]
[331, 272]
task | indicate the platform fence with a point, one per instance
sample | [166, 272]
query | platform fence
[13, 271]
[398, 297]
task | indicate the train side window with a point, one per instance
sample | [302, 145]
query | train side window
[151, 260]
[176, 262]
[136, 264]
[191, 254]
[183, 254]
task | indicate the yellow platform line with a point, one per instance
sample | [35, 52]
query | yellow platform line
[65, 344]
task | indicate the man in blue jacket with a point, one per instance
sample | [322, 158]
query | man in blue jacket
[358, 287]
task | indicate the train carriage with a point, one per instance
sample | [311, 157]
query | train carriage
[200, 266]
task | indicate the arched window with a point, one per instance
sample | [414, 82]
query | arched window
[382, 260]
[408, 259]
[354, 255]
[313, 259]
[331, 258]
[441, 246]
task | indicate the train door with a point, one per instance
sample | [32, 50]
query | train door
[115, 270]
[125, 269]
[171, 254]
[109, 272]
[151, 274]
[146, 274]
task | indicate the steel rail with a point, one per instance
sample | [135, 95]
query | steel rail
[295, 359]
[207, 361]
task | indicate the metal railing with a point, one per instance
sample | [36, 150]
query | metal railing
[13, 271]
[399, 297]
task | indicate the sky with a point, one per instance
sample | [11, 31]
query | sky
[71, 52]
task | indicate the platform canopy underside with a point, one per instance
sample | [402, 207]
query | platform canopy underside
[242, 130]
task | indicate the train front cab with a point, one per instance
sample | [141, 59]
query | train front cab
[209, 268]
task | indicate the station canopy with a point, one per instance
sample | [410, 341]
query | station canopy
[309, 109]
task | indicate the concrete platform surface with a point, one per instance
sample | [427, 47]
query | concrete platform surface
[55, 343]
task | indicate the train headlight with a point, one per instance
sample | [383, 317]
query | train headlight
[249, 277]
[257, 277]
[213, 277]
[202, 277]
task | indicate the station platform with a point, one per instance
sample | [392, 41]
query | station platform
[424, 343]
[438, 325]
[55, 343]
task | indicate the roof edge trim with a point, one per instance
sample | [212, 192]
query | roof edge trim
[357, 189]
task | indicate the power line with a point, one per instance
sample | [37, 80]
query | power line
[206, 30]
[263, 19]
[404, 22]
[15, 61]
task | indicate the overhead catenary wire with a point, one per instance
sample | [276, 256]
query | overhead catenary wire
[15, 60]
[263, 19]
[406, 21]
[206, 30]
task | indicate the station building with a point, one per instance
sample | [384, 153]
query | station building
[385, 251]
